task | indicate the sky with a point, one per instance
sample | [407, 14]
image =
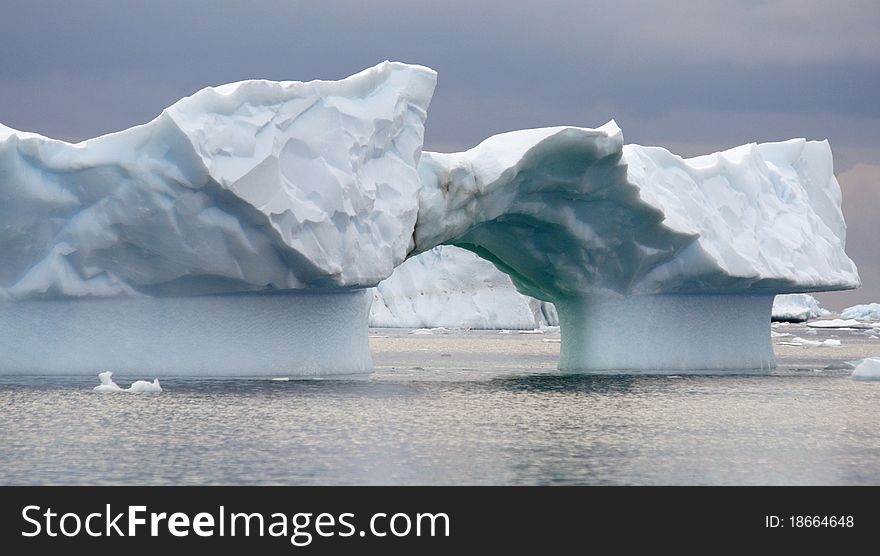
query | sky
[691, 76]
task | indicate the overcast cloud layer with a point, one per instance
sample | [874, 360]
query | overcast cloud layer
[692, 76]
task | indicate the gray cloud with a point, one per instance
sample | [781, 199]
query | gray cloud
[694, 76]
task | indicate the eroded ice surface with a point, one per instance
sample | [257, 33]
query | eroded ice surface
[652, 261]
[248, 186]
[570, 211]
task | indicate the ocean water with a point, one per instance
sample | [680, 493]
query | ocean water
[407, 424]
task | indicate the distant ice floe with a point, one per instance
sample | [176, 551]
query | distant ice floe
[867, 369]
[798, 341]
[796, 307]
[838, 323]
[137, 387]
[870, 311]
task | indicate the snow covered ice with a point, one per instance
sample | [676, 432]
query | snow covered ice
[238, 234]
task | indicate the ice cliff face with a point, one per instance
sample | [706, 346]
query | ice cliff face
[249, 186]
[569, 212]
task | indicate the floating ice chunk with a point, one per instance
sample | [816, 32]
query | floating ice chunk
[107, 384]
[144, 386]
[430, 331]
[796, 307]
[137, 387]
[870, 311]
[775, 334]
[797, 341]
[838, 323]
[868, 369]
[551, 340]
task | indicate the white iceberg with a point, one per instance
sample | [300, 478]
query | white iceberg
[867, 369]
[796, 307]
[870, 311]
[137, 387]
[238, 232]
[652, 261]
[231, 235]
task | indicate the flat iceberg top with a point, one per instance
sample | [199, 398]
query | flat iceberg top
[570, 211]
[248, 186]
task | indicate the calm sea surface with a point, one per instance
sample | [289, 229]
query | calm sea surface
[797, 425]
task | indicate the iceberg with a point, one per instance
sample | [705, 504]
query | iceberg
[796, 307]
[653, 262]
[239, 234]
[234, 234]
[869, 311]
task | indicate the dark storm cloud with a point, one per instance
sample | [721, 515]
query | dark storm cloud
[696, 76]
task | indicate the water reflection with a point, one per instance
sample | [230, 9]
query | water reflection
[469, 426]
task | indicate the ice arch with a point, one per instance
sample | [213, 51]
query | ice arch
[235, 234]
[654, 262]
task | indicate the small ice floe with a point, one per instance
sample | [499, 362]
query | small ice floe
[535, 331]
[281, 378]
[430, 331]
[870, 311]
[838, 323]
[549, 329]
[551, 340]
[504, 332]
[137, 387]
[775, 334]
[867, 369]
[798, 341]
